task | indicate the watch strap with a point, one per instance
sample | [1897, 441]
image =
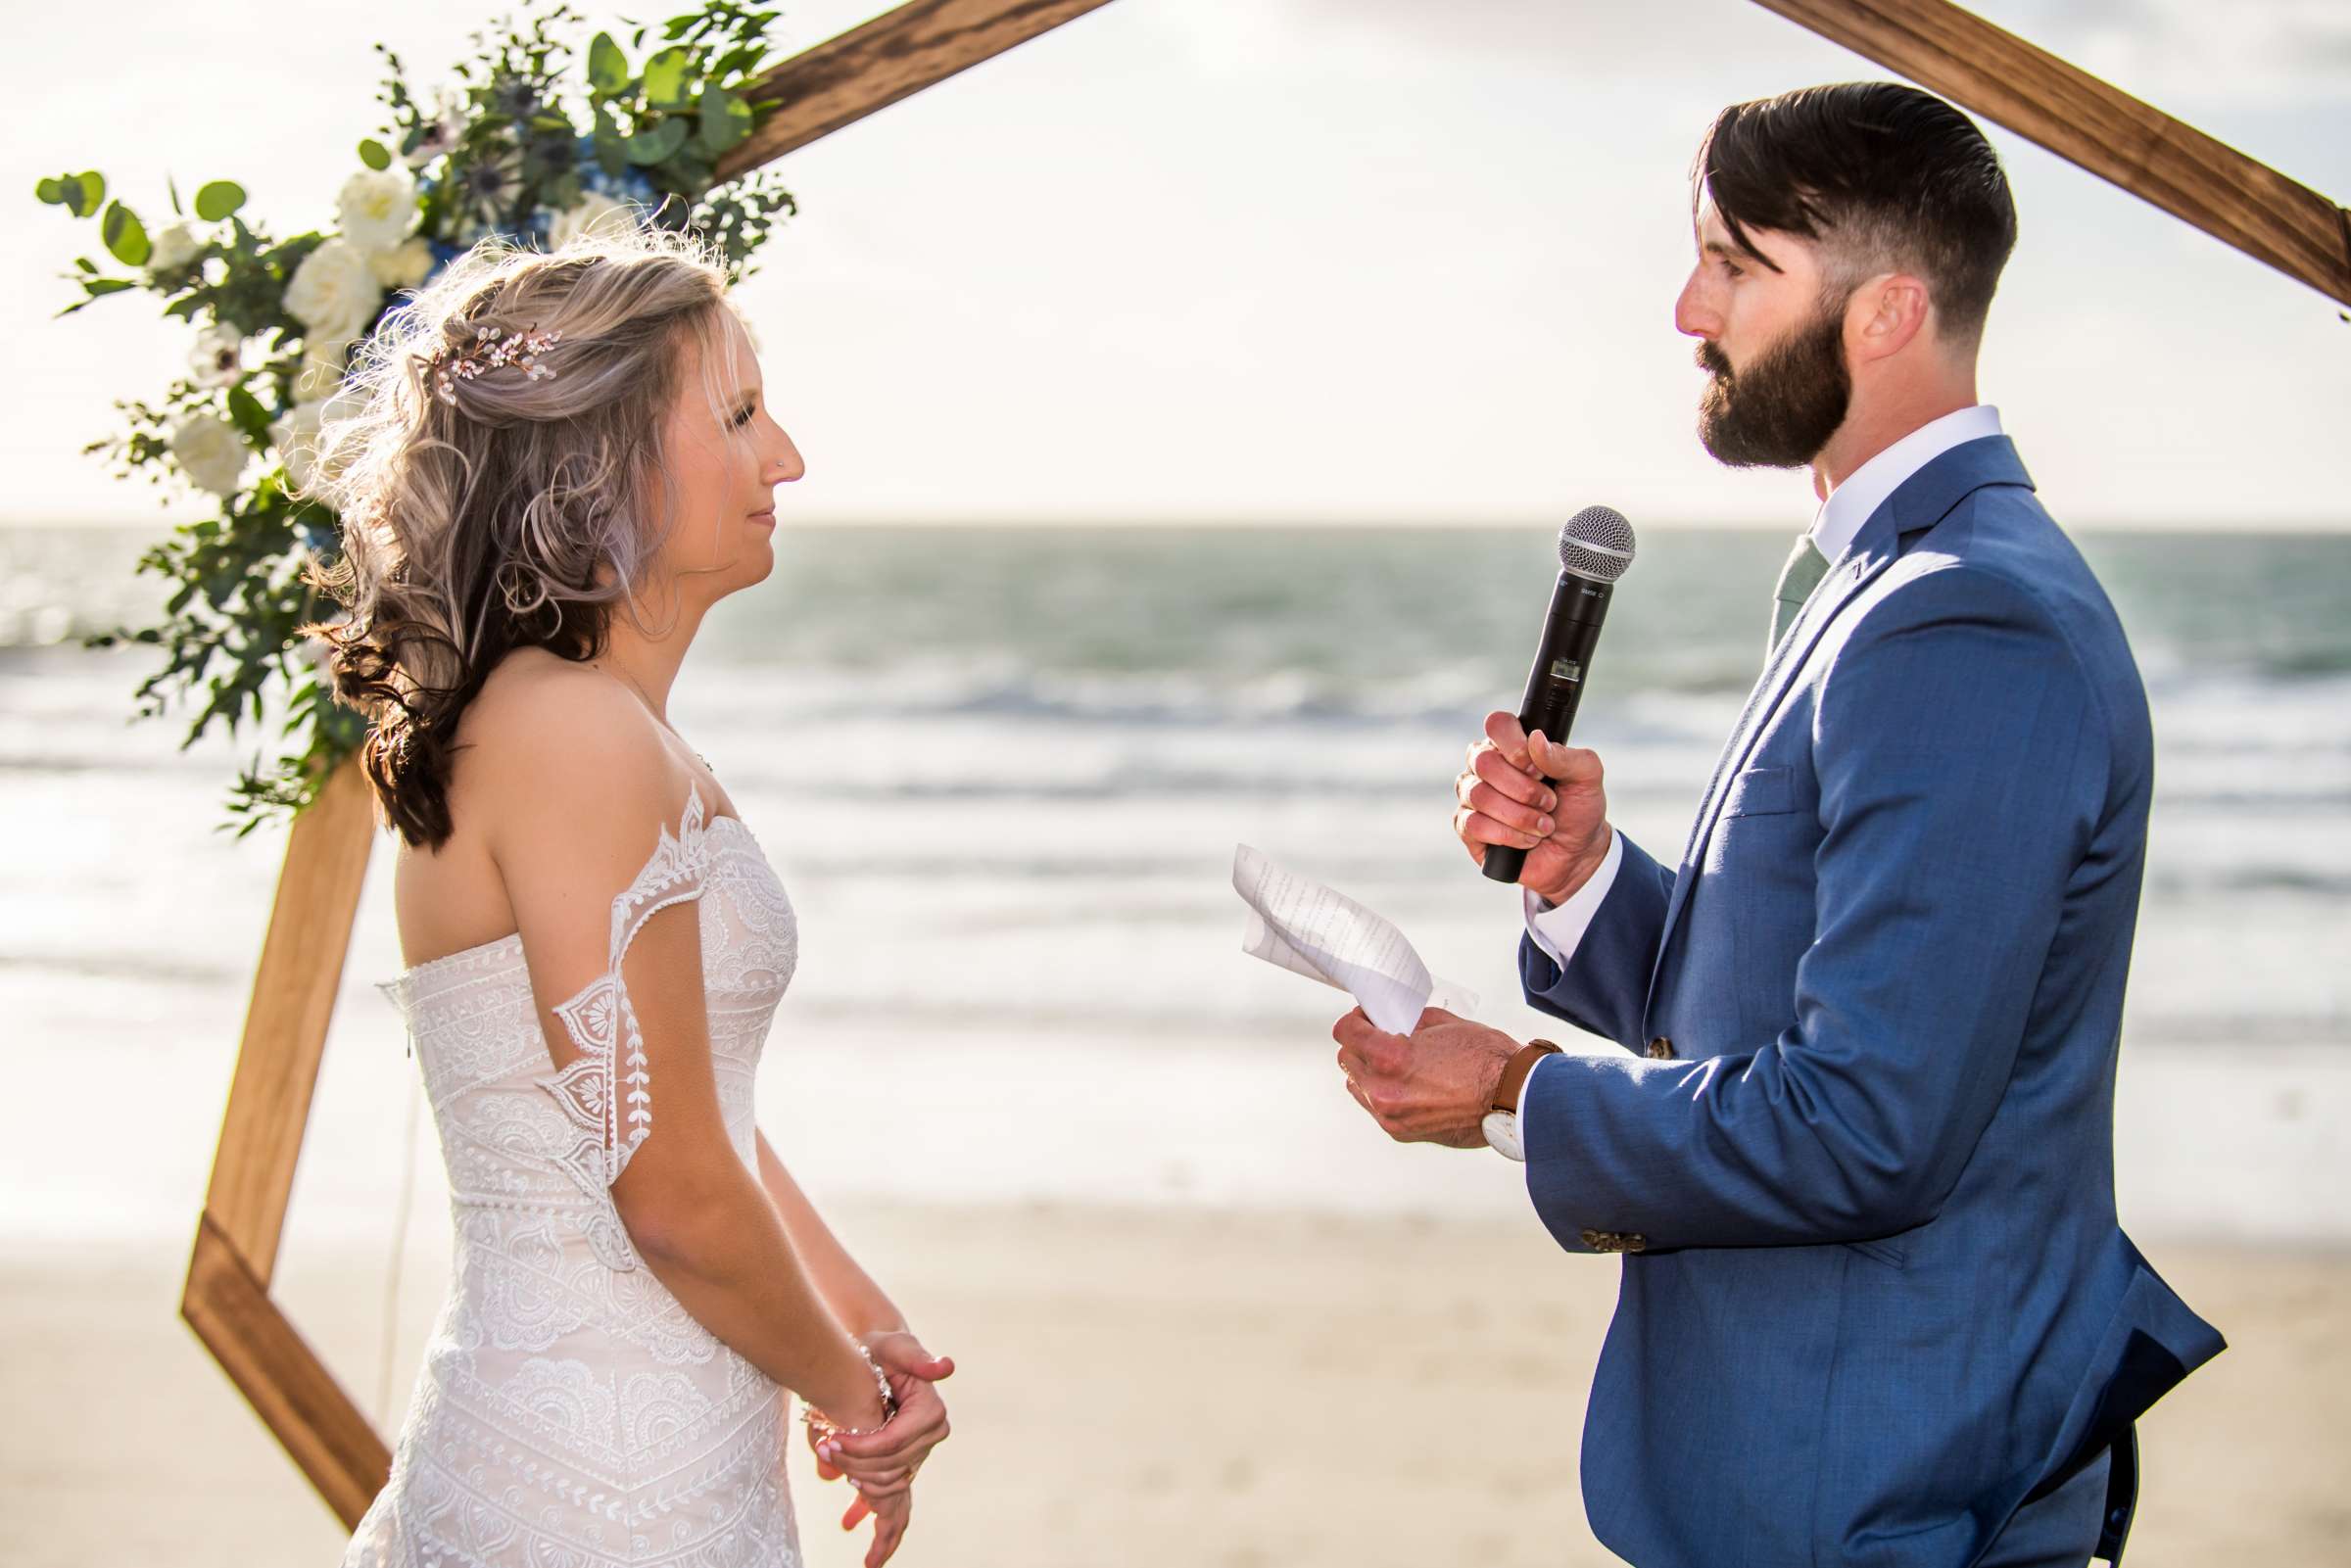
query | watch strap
[1513, 1073]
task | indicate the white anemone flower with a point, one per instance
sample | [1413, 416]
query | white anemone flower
[437, 135]
[219, 357]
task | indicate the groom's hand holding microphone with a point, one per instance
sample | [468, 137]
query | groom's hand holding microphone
[1527, 792]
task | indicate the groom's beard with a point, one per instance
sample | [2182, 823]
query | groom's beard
[1783, 409]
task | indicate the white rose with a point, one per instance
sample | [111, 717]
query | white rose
[219, 357]
[298, 434]
[210, 453]
[403, 266]
[321, 368]
[172, 246]
[295, 435]
[377, 208]
[592, 214]
[333, 292]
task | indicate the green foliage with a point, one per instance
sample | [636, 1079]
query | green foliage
[501, 151]
[124, 235]
[218, 200]
[80, 194]
[726, 119]
[607, 67]
[657, 145]
[665, 78]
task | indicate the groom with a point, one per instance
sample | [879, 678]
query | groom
[1875, 1305]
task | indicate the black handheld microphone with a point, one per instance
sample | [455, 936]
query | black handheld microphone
[1595, 546]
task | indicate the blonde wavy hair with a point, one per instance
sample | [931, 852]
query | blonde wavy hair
[474, 529]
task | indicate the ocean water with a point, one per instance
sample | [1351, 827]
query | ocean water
[1002, 773]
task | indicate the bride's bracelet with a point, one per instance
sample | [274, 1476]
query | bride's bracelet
[826, 1427]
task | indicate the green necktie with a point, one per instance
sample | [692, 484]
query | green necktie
[1805, 567]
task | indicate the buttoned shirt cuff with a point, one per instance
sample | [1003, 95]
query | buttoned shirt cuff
[1558, 929]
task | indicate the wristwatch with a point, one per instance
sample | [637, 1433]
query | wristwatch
[1501, 1124]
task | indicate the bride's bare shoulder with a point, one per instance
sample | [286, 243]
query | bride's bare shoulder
[547, 734]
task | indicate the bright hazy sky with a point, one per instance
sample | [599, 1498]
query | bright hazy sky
[1283, 259]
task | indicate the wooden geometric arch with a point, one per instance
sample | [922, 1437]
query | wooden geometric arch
[226, 1299]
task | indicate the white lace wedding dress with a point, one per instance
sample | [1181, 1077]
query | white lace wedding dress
[569, 1413]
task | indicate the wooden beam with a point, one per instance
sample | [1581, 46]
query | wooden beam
[294, 990]
[2105, 130]
[894, 56]
[281, 1377]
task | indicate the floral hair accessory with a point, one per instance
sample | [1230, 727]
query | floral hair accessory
[515, 349]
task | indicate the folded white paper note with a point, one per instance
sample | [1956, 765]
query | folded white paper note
[1309, 930]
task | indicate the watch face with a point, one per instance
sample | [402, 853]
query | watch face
[1501, 1128]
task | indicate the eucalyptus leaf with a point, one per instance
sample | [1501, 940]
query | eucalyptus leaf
[246, 412]
[665, 78]
[124, 235]
[742, 58]
[50, 191]
[216, 200]
[176, 209]
[375, 155]
[726, 119]
[607, 67]
[655, 145]
[85, 192]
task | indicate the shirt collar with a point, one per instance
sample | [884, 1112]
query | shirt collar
[1866, 487]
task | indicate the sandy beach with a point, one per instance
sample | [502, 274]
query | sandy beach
[1140, 1387]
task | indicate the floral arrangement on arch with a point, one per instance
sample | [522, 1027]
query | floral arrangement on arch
[523, 146]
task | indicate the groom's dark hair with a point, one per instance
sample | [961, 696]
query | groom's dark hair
[1882, 175]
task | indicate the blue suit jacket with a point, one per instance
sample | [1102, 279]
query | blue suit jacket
[1874, 1296]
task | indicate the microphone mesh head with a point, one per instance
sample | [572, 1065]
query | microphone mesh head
[1597, 544]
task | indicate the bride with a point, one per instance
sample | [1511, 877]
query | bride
[556, 464]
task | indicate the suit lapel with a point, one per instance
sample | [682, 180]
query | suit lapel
[1919, 502]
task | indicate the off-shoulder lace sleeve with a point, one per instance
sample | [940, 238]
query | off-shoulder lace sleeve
[606, 1093]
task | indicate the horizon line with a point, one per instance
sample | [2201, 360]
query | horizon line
[1052, 521]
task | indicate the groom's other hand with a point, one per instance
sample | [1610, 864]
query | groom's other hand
[1529, 793]
[1434, 1087]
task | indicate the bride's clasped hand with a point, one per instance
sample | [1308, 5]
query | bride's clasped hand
[881, 1465]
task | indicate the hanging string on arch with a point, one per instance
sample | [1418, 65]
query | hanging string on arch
[399, 1237]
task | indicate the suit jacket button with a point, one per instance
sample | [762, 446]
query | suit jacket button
[1614, 1241]
[1661, 1048]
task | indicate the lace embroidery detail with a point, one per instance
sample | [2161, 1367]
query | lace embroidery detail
[569, 1409]
[613, 1109]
